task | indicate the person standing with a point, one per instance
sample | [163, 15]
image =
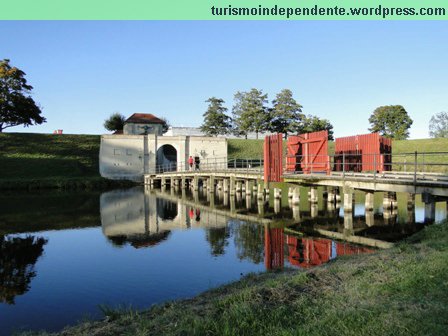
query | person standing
[190, 162]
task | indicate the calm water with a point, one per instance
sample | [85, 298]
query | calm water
[63, 254]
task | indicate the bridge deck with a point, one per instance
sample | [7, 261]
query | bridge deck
[419, 183]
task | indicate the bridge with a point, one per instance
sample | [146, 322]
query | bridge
[412, 173]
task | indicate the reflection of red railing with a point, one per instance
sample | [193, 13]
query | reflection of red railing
[273, 248]
[307, 252]
[304, 252]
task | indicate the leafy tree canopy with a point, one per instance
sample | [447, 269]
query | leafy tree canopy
[115, 122]
[438, 125]
[216, 121]
[250, 112]
[166, 125]
[286, 114]
[315, 124]
[16, 105]
[391, 121]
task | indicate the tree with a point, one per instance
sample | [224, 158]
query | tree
[438, 125]
[286, 116]
[250, 112]
[315, 124]
[216, 121]
[16, 105]
[392, 121]
[166, 125]
[115, 122]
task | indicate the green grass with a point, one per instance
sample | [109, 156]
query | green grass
[41, 161]
[32, 156]
[401, 291]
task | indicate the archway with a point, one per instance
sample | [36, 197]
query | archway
[166, 159]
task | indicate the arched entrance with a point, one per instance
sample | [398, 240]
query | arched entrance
[166, 159]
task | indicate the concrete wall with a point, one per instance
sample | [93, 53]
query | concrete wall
[131, 156]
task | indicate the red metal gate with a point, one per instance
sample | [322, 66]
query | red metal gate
[308, 153]
[366, 152]
[273, 158]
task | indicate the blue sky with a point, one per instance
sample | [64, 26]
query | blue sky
[83, 71]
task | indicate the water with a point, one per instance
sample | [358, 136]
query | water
[63, 254]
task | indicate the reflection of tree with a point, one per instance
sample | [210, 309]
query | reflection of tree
[17, 258]
[249, 241]
[166, 210]
[138, 241]
[218, 239]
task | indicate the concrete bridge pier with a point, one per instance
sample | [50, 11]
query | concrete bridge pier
[232, 185]
[325, 193]
[314, 195]
[277, 205]
[219, 185]
[211, 184]
[331, 195]
[196, 196]
[260, 206]
[239, 197]
[183, 183]
[247, 186]
[337, 196]
[225, 201]
[314, 210]
[248, 201]
[195, 182]
[290, 192]
[277, 193]
[390, 200]
[296, 196]
[296, 213]
[260, 194]
[232, 204]
[225, 185]
[411, 201]
[348, 199]
[239, 187]
[212, 199]
[430, 207]
[369, 203]
[348, 223]
[370, 218]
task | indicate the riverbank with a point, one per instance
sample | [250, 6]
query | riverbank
[400, 291]
[46, 161]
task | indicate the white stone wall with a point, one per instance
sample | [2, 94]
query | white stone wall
[131, 156]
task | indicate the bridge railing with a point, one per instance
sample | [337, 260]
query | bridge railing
[417, 163]
[212, 164]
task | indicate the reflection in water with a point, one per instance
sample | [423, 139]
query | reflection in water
[304, 252]
[218, 240]
[18, 256]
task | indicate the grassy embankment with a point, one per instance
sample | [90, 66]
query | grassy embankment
[400, 291]
[35, 161]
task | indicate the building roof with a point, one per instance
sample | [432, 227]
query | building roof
[144, 118]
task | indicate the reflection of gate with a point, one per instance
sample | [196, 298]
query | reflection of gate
[308, 153]
[273, 248]
[273, 158]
